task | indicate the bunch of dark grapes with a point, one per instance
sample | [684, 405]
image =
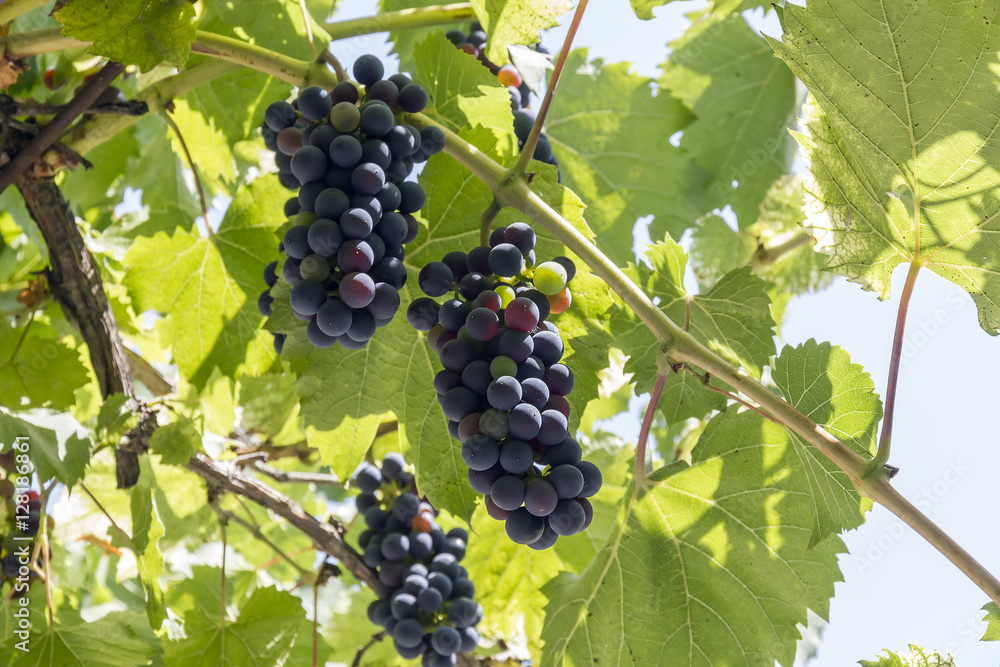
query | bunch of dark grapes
[425, 599]
[503, 386]
[473, 43]
[349, 159]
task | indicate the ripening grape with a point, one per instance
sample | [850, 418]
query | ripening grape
[549, 278]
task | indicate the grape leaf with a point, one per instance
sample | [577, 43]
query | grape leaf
[37, 368]
[516, 22]
[146, 533]
[463, 92]
[206, 288]
[610, 158]
[744, 99]
[262, 634]
[277, 25]
[820, 381]
[918, 657]
[235, 103]
[993, 618]
[707, 562]
[57, 453]
[131, 31]
[404, 42]
[644, 8]
[899, 142]
[716, 249]
[177, 442]
[115, 640]
[732, 318]
[268, 402]
[392, 375]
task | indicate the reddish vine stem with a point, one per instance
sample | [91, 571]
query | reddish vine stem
[327, 57]
[647, 424]
[536, 129]
[51, 132]
[376, 638]
[194, 171]
[885, 440]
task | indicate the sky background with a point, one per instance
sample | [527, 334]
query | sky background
[898, 590]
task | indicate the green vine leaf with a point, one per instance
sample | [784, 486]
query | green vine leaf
[263, 633]
[131, 31]
[516, 22]
[918, 657]
[733, 318]
[57, 453]
[716, 249]
[272, 24]
[610, 158]
[718, 553]
[744, 99]
[993, 619]
[146, 533]
[119, 639]
[820, 381]
[37, 368]
[206, 287]
[898, 126]
[209, 147]
[463, 92]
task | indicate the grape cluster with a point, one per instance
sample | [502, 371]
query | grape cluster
[425, 599]
[503, 386]
[20, 525]
[473, 43]
[349, 159]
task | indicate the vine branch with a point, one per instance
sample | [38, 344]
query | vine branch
[225, 477]
[279, 475]
[50, 133]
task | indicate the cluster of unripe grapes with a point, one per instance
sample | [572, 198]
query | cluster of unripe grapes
[349, 159]
[425, 599]
[473, 43]
[21, 523]
[503, 386]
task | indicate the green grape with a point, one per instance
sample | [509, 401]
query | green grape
[305, 218]
[550, 278]
[501, 366]
[506, 293]
[315, 267]
[345, 117]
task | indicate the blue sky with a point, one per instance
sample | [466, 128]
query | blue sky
[898, 590]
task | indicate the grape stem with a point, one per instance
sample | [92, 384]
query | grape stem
[194, 172]
[489, 215]
[647, 424]
[331, 60]
[376, 638]
[536, 128]
[885, 440]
